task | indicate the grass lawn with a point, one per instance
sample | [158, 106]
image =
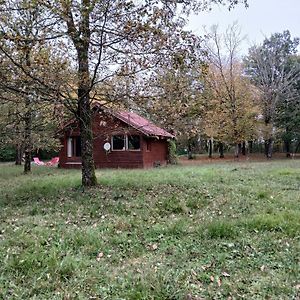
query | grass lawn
[222, 231]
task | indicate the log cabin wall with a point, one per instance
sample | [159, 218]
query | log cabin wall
[152, 152]
[155, 152]
[104, 127]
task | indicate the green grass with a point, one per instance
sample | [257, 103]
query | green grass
[223, 231]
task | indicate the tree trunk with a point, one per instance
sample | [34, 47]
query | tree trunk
[27, 136]
[287, 146]
[297, 147]
[244, 148]
[287, 142]
[250, 143]
[85, 117]
[269, 148]
[18, 159]
[28, 124]
[239, 148]
[221, 149]
[210, 148]
[236, 151]
[81, 40]
[189, 152]
[85, 124]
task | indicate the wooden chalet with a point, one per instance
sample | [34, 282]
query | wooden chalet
[121, 140]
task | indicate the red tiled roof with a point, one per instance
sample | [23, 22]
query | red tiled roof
[142, 124]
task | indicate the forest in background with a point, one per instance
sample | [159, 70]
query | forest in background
[57, 58]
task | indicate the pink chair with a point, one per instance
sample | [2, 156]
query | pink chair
[38, 162]
[53, 162]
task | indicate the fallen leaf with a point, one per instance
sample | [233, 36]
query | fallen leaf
[205, 267]
[191, 297]
[99, 256]
[219, 282]
[212, 278]
[262, 268]
[225, 274]
[153, 247]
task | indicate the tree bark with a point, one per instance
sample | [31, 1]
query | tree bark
[287, 142]
[27, 136]
[287, 146]
[85, 124]
[81, 39]
[269, 148]
[221, 149]
[244, 148]
[84, 106]
[189, 152]
[297, 147]
[210, 148]
[237, 150]
[28, 124]
[250, 143]
[18, 158]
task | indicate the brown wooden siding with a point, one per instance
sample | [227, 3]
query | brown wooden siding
[103, 128]
[158, 153]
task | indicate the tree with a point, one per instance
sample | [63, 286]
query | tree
[100, 38]
[287, 118]
[176, 101]
[231, 107]
[268, 65]
[27, 68]
[14, 128]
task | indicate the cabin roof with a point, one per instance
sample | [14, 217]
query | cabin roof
[141, 124]
[132, 119]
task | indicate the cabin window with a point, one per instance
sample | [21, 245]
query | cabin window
[118, 142]
[74, 146]
[126, 142]
[134, 142]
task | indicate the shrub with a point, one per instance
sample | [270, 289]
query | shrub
[172, 153]
[7, 153]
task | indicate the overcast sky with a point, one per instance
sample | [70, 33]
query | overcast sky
[260, 20]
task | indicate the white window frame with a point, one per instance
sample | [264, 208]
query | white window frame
[126, 148]
[127, 143]
[112, 143]
[69, 147]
